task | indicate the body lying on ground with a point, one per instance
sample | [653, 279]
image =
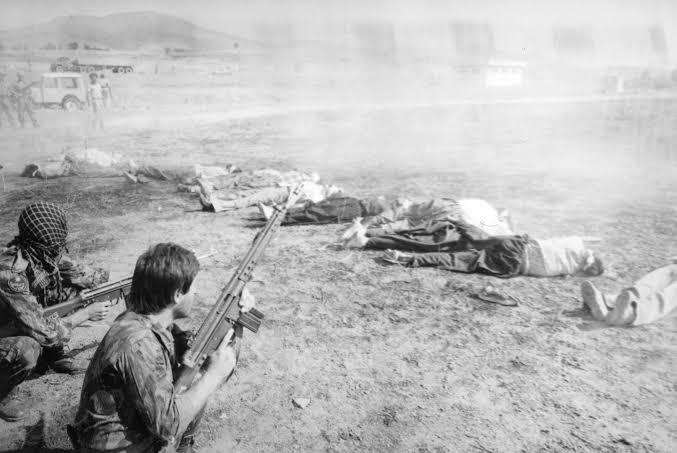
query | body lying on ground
[219, 188]
[461, 247]
[399, 215]
[95, 162]
[649, 299]
[257, 187]
[35, 274]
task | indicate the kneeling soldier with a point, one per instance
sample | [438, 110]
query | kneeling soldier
[34, 274]
[128, 402]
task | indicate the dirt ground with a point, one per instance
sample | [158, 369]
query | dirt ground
[391, 358]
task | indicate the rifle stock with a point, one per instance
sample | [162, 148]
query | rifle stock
[225, 314]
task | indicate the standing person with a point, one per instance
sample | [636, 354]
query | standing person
[128, 402]
[95, 100]
[34, 274]
[4, 101]
[20, 91]
[105, 90]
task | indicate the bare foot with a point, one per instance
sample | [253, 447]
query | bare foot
[355, 236]
[397, 257]
[594, 300]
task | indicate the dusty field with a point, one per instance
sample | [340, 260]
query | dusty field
[392, 359]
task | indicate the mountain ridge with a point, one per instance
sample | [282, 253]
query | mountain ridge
[121, 31]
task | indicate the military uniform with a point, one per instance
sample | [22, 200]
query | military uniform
[20, 92]
[128, 402]
[5, 102]
[33, 341]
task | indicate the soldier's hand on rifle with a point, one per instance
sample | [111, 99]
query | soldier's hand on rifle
[98, 311]
[247, 301]
[222, 361]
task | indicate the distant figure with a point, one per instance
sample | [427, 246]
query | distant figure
[4, 101]
[105, 90]
[95, 100]
[649, 299]
[21, 94]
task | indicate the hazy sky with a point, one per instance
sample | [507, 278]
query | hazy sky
[237, 15]
[215, 14]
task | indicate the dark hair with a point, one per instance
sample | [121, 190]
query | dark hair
[161, 271]
[595, 269]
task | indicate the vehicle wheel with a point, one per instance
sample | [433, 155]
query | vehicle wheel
[70, 104]
[58, 68]
[128, 70]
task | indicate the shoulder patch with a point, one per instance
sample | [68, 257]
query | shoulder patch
[17, 284]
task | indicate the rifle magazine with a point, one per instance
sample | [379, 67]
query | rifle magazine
[251, 320]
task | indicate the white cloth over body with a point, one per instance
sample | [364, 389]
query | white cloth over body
[228, 200]
[473, 211]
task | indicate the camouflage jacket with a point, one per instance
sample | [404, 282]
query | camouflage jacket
[20, 91]
[4, 90]
[19, 308]
[127, 401]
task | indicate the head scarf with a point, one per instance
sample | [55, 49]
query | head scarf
[43, 229]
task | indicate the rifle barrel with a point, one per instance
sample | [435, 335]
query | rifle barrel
[226, 311]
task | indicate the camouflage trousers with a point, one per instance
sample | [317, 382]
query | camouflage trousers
[24, 107]
[6, 111]
[18, 357]
[185, 445]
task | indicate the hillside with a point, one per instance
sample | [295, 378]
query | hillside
[125, 31]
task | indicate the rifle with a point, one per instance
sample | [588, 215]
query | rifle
[113, 291]
[108, 291]
[225, 314]
[15, 91]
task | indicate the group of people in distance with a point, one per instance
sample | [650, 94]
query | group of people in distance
[18, 95]
[128, 401]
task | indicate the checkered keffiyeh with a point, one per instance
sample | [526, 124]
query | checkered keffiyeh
[43, 224]
[42, 236]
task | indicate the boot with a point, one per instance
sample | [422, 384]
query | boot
[12, 407]
[68, 366]
[58, 361]
[187, 444]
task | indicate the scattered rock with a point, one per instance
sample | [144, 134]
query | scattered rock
[301, 403]
[389, 415]
[622, 440]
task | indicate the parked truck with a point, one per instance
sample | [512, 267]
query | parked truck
[65, 64]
